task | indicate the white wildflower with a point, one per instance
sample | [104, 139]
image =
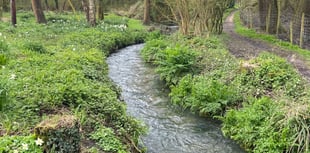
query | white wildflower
[25, 146]
[39, 142]
[3, 67]
[0, 34]
[12, 77]
[15, 151]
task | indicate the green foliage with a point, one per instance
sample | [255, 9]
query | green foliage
[175, 62]
[113, 19]
[23, 144]
[276, 120]
[60, 134]
[3, 59]
[268, 73]
[3, 94]
[107, 141]
[71, 78]
[152, 48]
[4, 48]
[205, 95]
[252, 127]
[35, 46]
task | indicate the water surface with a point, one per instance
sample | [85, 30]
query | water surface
[170, 130]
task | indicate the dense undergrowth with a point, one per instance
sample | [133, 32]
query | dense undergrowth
[263, 102]
[60, 69]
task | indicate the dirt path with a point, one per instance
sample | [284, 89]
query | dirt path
[246, 48]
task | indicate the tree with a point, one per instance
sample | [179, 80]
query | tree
[199, 16]
[147, 7]
[86, 9]
[100, 10]
[57, 5]
[13, 12]
[92, 13]
[1, 8]
[46, 5]
[38, 11]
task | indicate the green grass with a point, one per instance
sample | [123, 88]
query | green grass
[60, 68]
[242, 30]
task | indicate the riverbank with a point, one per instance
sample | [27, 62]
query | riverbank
[263, 102]
[55, 77]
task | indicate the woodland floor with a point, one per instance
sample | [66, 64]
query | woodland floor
[247, 48]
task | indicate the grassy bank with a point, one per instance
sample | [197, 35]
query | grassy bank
[52, 71]
[272, 39]
[263, 102]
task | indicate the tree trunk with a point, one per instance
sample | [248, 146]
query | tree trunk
[64, 5]
[147, 7]
[46, 5]
[57, 5]
[101, 10]
[92, 13]
[1, 9]
[86, 9]
[38, 12]
[13, 12]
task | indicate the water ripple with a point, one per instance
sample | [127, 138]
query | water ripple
[170, 130]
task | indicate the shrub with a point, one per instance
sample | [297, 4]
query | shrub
[174, 63]
[251, 127]
[268, 74]
[152, 48]
[204, 95]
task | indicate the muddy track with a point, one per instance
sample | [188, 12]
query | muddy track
[247, 48]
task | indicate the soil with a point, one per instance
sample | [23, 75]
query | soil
[247, 48]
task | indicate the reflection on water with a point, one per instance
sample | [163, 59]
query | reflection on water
[170, 131]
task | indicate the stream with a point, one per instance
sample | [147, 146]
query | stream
[170, 130]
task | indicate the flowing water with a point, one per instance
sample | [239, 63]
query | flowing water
[170, 130]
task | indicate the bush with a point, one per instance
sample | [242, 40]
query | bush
[268, 74]
[266, 125]
[207, 96]
[152, 48]
[250, 126]
[174, 63]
